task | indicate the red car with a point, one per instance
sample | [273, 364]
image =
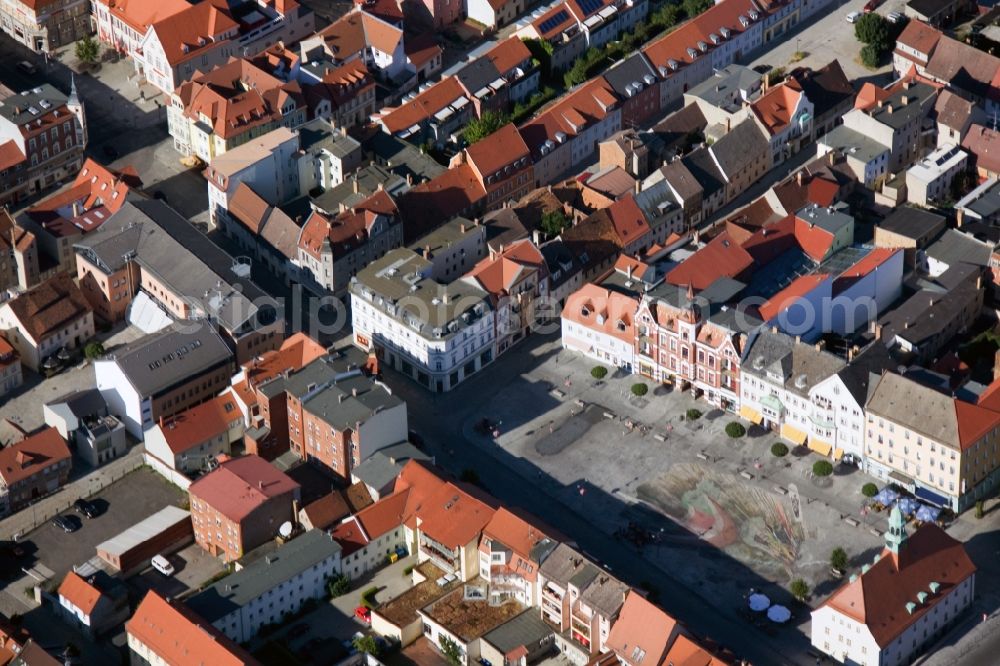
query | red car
[871, 5]
[364, 614]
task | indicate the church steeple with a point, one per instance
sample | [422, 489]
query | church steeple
[75, 106]
[895, 536]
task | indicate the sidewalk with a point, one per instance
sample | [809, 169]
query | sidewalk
[27, 519]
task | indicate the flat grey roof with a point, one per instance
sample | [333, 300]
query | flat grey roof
[448, 233]
[319, 134]
[144, 530]
[913, 222]
[526, 629]
[238, 589]
[383, 466]
[157, 362]
[726, 84]
[853, 143]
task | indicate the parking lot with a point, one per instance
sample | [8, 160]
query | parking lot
[193, 568]
[121, 505]
[829, 36]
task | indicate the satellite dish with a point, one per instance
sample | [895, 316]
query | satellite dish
[286, 529]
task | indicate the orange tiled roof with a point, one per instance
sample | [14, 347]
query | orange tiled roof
[140, 14]
[28, 457]
[421, 49]
[601, 310]
[443, 197]
[628, 220]
[424, 105]
[790, 294]
[97, 190]
[79, 592]
[500, 149]
[686, 652]
[179, 637]
[642, 633]
[200, 423]
[10, 155]
[199, 27]
[774, 109]
[356, 31]
[295, 352]
[499, 272]
[447, 513]
[919, 36]
[722, 257]
[588, 104]
[674, 45]
[349, 229]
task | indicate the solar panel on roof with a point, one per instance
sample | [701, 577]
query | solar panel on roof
[590, 6]
[554, 21]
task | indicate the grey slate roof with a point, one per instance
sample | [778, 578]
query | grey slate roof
[955, 247]
[336, 365]
[17, 107]
[862, 374]
[85, 402]
[526, 629]
[606, 593]
[168, 246]
[239, 589]
[633, 70]
[895, 398]
[799, 365]
[828, 219]
[700, 164]
[897, 115]
[346, 402]
[728, 87]
[167, 358]
[319, 134]
[913, 222]
[402, 158]
[565, 564]
[383, 466]
[853, 144]
[739, 148]
[478, 74]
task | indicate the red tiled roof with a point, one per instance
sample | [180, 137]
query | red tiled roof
[866, 265]
[984, 144]
[685, 652]
[349, 229]
[237, 96]
[508, 54]
[240, 485]
[356, 31]
[327, 510]
[387, 10]
[918, 36]
[10, 155]
[181, 638]
[200, 423]
[449, 194]
[813, 239]
[722, 257]
[295, 352]
[974, 422]
[628, 219]
[878, 597]
[642, 633]
[140, 14]
[790, 294]
[674, 45]
[500, 149]
[31, 455]
[420, 49]
[79, 592]
[589, 103]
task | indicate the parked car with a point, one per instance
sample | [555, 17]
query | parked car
[871, 5]
[364, 614]
[86, 507]
[67, 524]
[163, 565]
[894, 17]
[853, 17]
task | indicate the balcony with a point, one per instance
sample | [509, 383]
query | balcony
[439, 553]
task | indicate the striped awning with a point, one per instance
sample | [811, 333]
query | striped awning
[820, 447]
[793, 434]
[751, 415]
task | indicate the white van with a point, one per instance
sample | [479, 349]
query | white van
[162, 565]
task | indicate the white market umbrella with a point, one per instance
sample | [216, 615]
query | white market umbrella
[779, 614]
[758, 602]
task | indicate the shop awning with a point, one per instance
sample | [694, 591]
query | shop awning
[932, 497]
[838, 454]
[751, 415]
[820, 447]
[901, 479]
[793, 434]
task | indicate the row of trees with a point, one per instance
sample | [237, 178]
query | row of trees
[878, 36]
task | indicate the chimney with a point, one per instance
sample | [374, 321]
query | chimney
[260, 484]
[536, 237]
[445, 298]
[161, 421]
[888, 108]
[381, 186]
[76, 209]
[959, 217]
[833, 158]
[852, 353]
[774, 329]
[905, 100]
[880, 103]
[461, 228]
[343, 130]
[354, 392]
[821, 345]
[409, 179]
[638, 186]
[356, 184]
[798, 339]
[996, 365]
[798, 178]
[729, 124]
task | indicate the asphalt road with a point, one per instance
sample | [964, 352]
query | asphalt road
[439, 419]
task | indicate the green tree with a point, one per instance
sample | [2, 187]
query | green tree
[367, 644]
[980, 509]
[694, 7]
[598, 372]
[451, 651]
[799, 589]
[368, 597]
[775, 76]
[639, 389]
[338, 586]
[693, 414]
[87, 50]
[666, 16]
[541, 51]
[93, 350]
[870, 56]
[553, 222]
[735, 430]
[779, 450]
[872, 28]
[822, 468]
[838, 559]
[480, 128]
[869, 490]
